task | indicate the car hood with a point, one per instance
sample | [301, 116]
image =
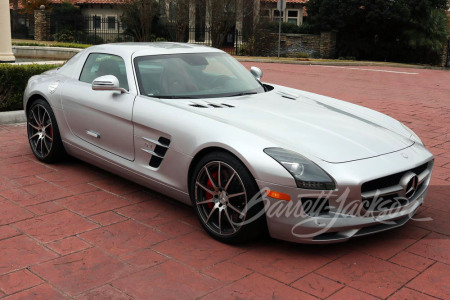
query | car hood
[329, 129]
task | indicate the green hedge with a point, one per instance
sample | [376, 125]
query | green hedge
[13, 79]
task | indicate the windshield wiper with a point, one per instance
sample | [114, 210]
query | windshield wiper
[243, 94]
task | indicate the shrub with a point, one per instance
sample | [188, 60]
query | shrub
[301, 55]
[13, 80]
[65, 36]
[94, 39]
[245, 48]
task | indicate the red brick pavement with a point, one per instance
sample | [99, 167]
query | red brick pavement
[72, 230]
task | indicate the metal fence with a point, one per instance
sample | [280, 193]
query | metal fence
[22, 26]
[88, 30]
[230, 42]
[99, 30]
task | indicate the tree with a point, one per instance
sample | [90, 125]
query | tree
[223, 15]
[428, 30]
[138, 18]
[405, 30]
[222, 19]
[68, 23]
[29, 6]
[68, 16]
[178, 19]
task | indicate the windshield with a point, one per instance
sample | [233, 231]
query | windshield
[197, 75]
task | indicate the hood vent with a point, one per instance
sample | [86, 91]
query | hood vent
[215, 105]
[227, 105]
[198, 105]
[209, 105]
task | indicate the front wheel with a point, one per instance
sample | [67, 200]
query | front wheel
[223, 194]
[43, 132]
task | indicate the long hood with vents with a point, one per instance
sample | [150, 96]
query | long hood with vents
[332, 130]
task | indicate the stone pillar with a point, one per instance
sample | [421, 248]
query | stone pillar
[256, 13]
[301, 14]
[239, 22]
[41, 24]
[192, 17]
[328, 44]
[6, 54]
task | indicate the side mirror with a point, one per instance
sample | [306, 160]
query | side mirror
[107, 83]
[257, 73]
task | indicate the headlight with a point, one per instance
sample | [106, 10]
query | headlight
[413, 136]
[307, 174]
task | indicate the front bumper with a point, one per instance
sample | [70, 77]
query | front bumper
[346, 216]
[287, 221]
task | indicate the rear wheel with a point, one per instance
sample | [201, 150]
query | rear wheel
[221, 190]
[43, 132]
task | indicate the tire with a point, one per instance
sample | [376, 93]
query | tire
[221, 201]
[43, 132]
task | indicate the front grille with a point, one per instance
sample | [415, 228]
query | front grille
[386, 193]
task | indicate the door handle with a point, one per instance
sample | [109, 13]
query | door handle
[93, 134]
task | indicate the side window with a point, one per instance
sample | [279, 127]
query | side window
[104, 64]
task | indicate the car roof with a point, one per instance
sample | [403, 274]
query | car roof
[157, 48]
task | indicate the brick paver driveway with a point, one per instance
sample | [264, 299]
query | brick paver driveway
[72, 230]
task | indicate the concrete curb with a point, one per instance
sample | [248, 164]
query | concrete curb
[40, 52]
[337, 63]
[12, 117]
[47, 62]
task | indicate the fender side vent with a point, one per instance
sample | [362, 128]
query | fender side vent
[155, 162]
[164, 141]
[159, 152]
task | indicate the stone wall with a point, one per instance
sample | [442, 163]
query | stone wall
[41, 25]
[292, 44]
[317, 46]
[445, 58]
[328, 44]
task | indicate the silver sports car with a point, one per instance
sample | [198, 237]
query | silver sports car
[250, 157]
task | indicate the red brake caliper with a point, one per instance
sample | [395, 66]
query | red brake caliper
[210, 186]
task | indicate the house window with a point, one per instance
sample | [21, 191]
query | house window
[111, 20]
[96, 22]
[293, 17]
[265, 14]
[276, 15]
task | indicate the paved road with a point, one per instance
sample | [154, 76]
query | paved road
[72, 230]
